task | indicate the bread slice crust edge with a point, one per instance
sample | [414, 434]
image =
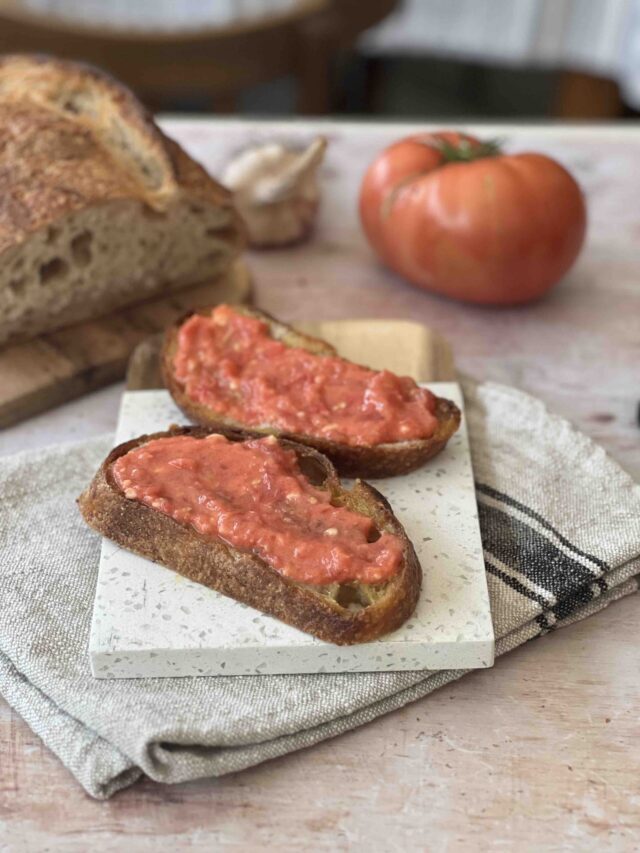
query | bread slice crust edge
[244, 576]
[381, 460]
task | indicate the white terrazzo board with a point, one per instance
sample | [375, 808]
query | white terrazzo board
[149, 621]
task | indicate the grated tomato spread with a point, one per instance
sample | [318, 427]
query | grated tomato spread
[230, 363]
[253, 496]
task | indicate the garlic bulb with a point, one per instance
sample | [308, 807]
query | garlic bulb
[276, 191]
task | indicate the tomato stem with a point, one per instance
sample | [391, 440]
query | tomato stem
[466, 152]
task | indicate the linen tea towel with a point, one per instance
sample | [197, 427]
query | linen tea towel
[561, 530]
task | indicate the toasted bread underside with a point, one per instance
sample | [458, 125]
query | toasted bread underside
[338, 613]
[381, 460]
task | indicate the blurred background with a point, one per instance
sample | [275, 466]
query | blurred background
[420, 59]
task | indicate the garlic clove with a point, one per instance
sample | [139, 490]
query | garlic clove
[276, 191]
[291, 174]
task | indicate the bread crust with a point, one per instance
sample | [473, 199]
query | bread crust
[244, 576]
[381, 460]
[71, 137]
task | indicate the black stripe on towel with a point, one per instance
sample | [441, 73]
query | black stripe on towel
[514, 583]
[529, 553]
[544, 624]
[565, 607]
[509, 501]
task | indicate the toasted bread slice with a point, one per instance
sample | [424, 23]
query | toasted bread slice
[380, 460]
[338, 613]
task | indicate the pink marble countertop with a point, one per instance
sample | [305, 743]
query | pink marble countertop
[541, 752]
[578, 349]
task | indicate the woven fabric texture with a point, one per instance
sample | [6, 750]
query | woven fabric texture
[561, 533]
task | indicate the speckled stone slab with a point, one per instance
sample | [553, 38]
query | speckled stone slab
[150, 622]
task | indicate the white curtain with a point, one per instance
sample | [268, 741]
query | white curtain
[156, 15]
[596, 36]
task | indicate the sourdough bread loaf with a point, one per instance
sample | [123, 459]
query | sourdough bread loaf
[98, 208]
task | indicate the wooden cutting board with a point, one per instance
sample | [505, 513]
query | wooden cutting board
[54, 368]
[406, 348]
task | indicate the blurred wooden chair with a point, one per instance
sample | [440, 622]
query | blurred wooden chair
[216, 60]
[585, 96]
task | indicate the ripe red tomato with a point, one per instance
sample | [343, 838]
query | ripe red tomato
[454, 215]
